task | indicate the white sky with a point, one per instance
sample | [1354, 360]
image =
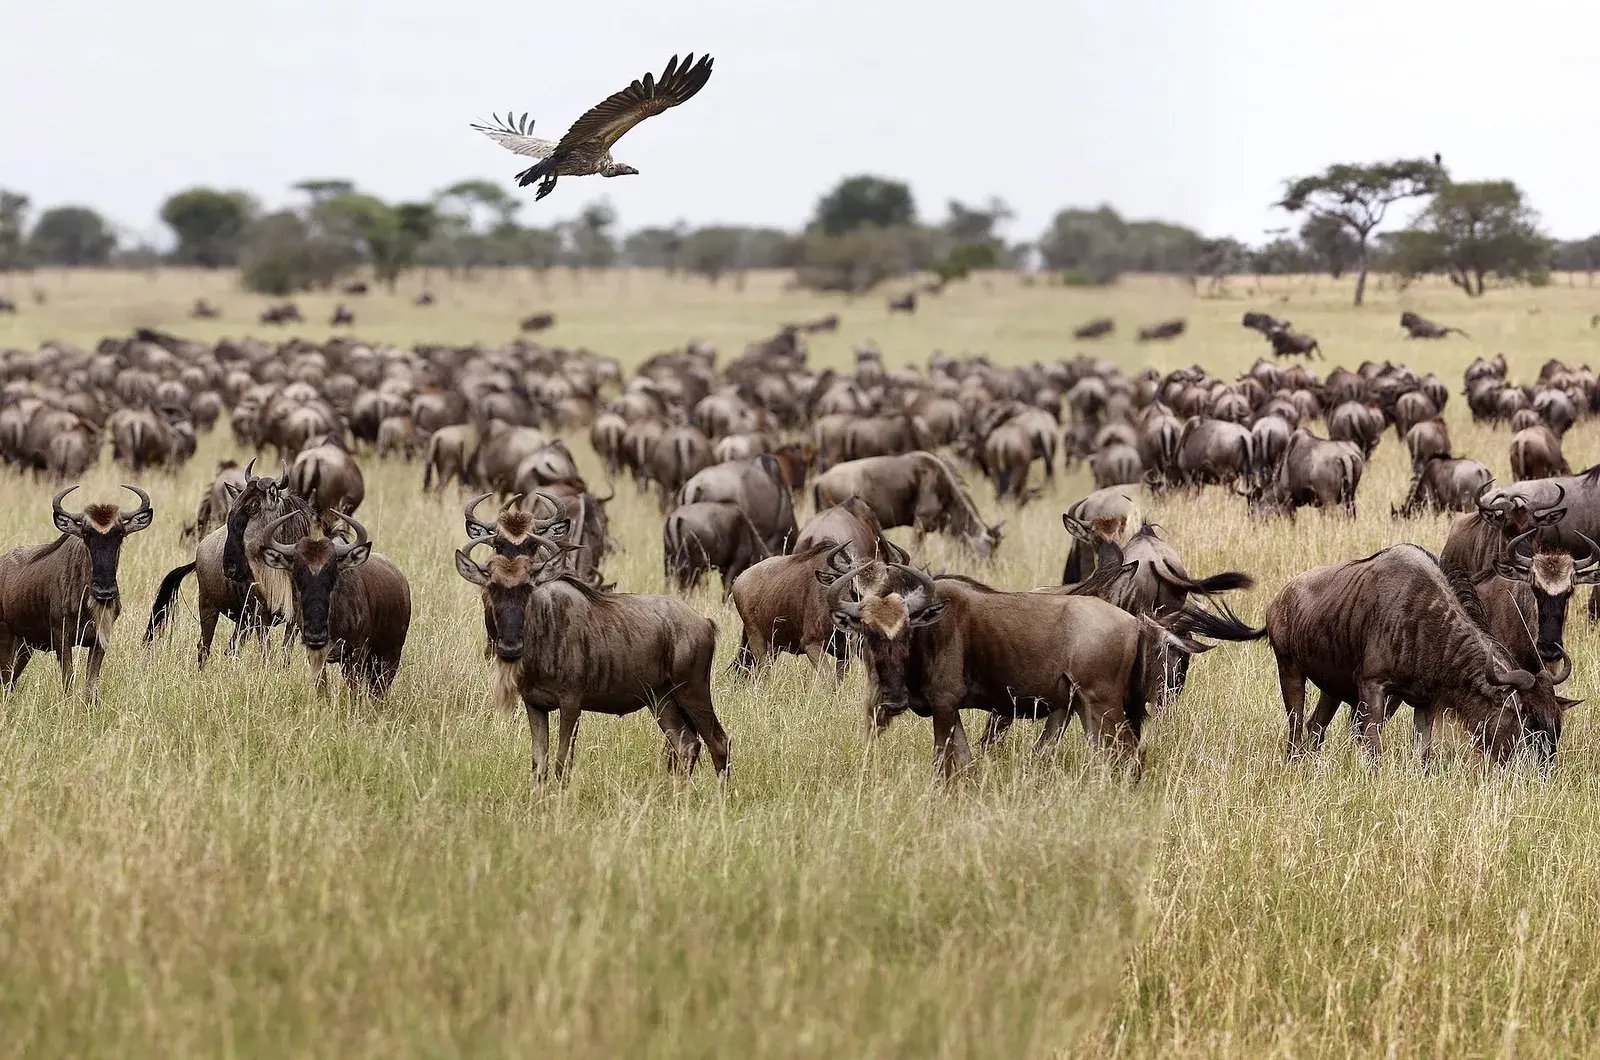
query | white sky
[1187, 111]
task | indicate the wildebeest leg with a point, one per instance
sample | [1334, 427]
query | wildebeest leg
[1054, 726]
[1371, 697]
[1423, 718]
[818, 655]
[63, 649]
[1321, 718]
[1292, 686]
[950, 750]
[695, 703]
[682, 745]
[571, 712]
[539, 729]
[208, 630]
[97, 658]
[1594, 605]
[14, 656]
[993, 732]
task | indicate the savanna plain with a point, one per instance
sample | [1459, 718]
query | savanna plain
[229, 863]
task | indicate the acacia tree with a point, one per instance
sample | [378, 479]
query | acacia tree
[1359, 197]
[72, 236]
[1472, 231]
[1329, 244]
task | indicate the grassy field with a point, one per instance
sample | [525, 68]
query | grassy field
[227, 863]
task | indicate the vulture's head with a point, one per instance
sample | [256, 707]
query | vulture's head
[617, 169]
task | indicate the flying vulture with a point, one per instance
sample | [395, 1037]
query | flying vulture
[586, 149]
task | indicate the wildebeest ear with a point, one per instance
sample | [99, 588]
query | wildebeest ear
[68, 524]
[827, 577]
[468, 569]
[1552, 518]
[355, 556]
[927, 616]
[1507, 571]
[276, 560]
[230, 492]
[1567, 704]
[558, 528]
[138, 520]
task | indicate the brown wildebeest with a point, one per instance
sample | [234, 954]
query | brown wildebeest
[1116, 465]
[538, 322]
[919, 490]
[705, 536]
[212, 510]
[1166, 329]
[1287, 343]
[351, 604]
[1313, 471]
[676, 457]
[328, 478]
[398, 436]
[448, 455]
[605, 435]
[906, 303]
[782, 608]
[1444, 484]
[1411, 408]
[939, 646]
[1269, 437]
[64, 595]
[1536, 453]
[1094, 329]
[853, 524]
[1425, 440]
[1526, 599]
[1422, 328]
[1105, 512]
[1214, 451]
[1265, 323]
[204, 310]
[1358, 422]
[565, 646]
[1394, 628]
[757, 486]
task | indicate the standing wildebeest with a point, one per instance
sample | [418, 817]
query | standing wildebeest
[1536, 453]
[1526, 598]
[1116, 465]
[1444, 484]
[757, 486]
[853, 524]
[1214, 451]
[676, 457]
[919, 490]
[212, 510]
[1422, 328]
[328, 477]
[1357, 422]
[562, 645]
[1270, 439]
[1426, 440]
[1105, 512]
[448, 455]
[351, 604]
[906, 303]
[705, 536]
[1094, 329]
[64, 595]
[1395, 628]
[1411, 408]
[1313, 471]
[782, 607]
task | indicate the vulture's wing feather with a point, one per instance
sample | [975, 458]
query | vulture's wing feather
[515, 135]
[605, 123]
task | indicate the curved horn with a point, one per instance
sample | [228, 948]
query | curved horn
[361, 531]
[144, 500]
[270, 535]
[554, 502]
[1522, 558]
[471, 507]
[250, 469]
[55, 504]
[923, 594]
[1495, 508]
[835, 593]
[1559, 677]
[830, 557]
[1591, 556]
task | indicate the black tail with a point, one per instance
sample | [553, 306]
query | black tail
[533, 173]
[1225, 582]
[166, 596]
[1133, 705]
[1197, 621]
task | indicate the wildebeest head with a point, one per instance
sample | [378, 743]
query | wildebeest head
[1523, 711]
[895, 604]
[508, 583]
[1512, 513]
[518, 531]
[262, 494]
[102, 528]
[1553, 576]
[314, 565]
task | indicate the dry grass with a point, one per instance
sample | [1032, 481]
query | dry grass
[225, 863]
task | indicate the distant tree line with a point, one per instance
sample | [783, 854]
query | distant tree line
[862, 233]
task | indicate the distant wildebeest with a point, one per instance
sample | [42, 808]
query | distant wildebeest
[1445, 484]
[1094, 329]
[1287, 343]
[1357, 422]
[328, 477]
[1214, 451]
[706, 536]
[8, 306]
[204, 310]
[351, 604]
[919, 490]
[758, 488]
[1166, 329]
[1395, 628]
[1105, 512]
[424, 299]
[64, 595]
[538, 322]
[677, 456]
[906, 303]
[342, 317]
[356, 287]
[561, 645]
[212, 511]
[448, 456]
[1116, 465]
[1536, 453]
[1312, 472]
[1265, 323]
[284, 313]
[1426, 440]
[1422, 328]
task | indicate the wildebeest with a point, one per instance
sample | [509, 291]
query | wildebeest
[448, 456]
[1357, 422]
[757, 486]
[1536, 453]
[351, 604]
[919, 490]
[782, 607]
[1116, 465]
[328, 477]
[1393, 628]
[676, 457]
[342, 317]
[1287, 343]
[64, 595]
[854, 524]
[1094, 329]
[538, 322]
[1313, 471]
[1214, 451]
[1445, 484]
[1526, 598]
[1264, 323]
[1105, 512]
[1422, 328]
[561, 645]
[1425, 440]
[906, 303]
[1166, 329]
[212, 510]
[705, 536]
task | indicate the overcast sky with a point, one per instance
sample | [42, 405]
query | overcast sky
[1190, 112]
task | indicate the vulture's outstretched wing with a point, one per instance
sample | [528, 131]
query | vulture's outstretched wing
[515, 135]
[605, 123]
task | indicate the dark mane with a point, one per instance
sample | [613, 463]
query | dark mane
[1590, 475]
[1148, 529]
[971, 583]
[1466, 594]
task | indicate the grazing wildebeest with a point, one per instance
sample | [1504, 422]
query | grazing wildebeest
[705, 536]
[919, 490]
[562, 645]
[1094, 329]
[64, 595]
[1444, 484]
[538, 322]
[1214, 451]
[1313, 471]
[1393, 628]
[758, 487]
[1536, 453]
[1421, 328]
[342, 317]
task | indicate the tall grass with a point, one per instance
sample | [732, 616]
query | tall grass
[227, 862]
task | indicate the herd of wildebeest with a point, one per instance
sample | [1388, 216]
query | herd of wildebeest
[733, 448]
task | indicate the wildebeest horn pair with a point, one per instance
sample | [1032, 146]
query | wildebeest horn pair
[340, 548]
[64, 518]
[478, 528]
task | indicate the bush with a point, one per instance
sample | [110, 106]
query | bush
[858, 261]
